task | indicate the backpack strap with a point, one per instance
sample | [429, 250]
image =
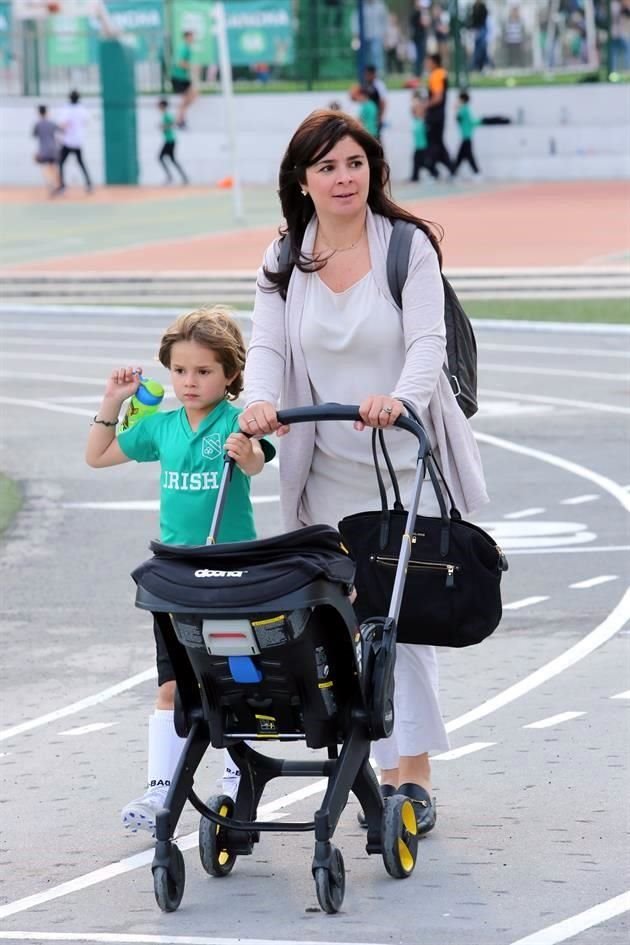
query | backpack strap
[398, 253]
[284, 258]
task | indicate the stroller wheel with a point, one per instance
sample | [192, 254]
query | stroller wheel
[330, 883]
[216, 858]
[169, 882]
[399, 836]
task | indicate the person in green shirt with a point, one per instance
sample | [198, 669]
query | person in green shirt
[368, 111]
[205, 354]
[467, 124]
[181, 77]
[420, 140]
[168, 147]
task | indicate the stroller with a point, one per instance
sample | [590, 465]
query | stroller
[266, 646]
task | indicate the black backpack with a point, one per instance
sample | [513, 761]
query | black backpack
[461, 348]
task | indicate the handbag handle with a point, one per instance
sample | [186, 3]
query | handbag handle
[398, 506]
[455, 513]
[428, 464]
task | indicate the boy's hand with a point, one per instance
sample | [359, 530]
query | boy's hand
[122, 383]
[246, 452]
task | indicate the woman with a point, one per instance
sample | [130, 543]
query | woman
[328, 330]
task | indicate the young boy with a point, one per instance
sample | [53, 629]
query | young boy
[420, 142]
[467, 124]
[167, 127]
[47, 153]
[368, 111]
[205, 354]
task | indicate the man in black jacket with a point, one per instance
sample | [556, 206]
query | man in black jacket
[479, 24]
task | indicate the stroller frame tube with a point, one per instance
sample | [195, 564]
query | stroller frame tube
[405, 548]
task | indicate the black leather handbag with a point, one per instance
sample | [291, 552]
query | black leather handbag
[452, 591]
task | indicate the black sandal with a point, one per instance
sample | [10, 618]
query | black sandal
[423, 804]
[387, 790]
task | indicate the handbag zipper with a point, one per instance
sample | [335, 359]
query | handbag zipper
[421, 566]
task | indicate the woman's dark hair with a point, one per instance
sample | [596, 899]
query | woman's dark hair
[314, 138]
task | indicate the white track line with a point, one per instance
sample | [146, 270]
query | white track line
[456, 753]
[559, 401]
[525, 513]
[86, 703]
[524, 602]
[87, 729]
[130, 863]
[580, 499]
[554, 720]
[595, 638]
[146, 505]
[608, 485]
[110, 938]
[81, 343]
[582, 550]
[614, 622]
[553, 352]
[568, 928]
[55, 378]
[622, 695]
[552, 372]
[34, 356]
[595, 581]
[43, 405]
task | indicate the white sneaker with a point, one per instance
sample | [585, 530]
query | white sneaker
[140, 813]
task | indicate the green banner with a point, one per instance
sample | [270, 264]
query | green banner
[5, 34]
[197, 16]
[143, 24]
[260, 31]
[67, 40]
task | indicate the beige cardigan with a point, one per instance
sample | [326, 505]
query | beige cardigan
[276, 370]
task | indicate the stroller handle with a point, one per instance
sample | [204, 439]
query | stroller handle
[348, 412]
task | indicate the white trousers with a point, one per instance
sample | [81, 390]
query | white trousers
[418, 725]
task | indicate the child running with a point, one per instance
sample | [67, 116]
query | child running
[205, 354]
[167, 127]
[467, 123]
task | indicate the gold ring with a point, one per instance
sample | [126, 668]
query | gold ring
[386, 409]
[252, 421]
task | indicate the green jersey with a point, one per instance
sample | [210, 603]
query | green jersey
[419, 134]
[179, 71]
[191, 464]
[467, 122]
[168, 127]
[368, 116]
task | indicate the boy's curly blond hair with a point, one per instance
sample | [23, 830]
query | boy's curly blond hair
[215, 329]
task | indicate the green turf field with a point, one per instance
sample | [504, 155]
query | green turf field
[10, 502]
[604, 311]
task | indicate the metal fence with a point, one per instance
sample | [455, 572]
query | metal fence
[320, 43]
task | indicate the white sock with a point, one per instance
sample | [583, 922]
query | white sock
[165, 747]
[230, 768]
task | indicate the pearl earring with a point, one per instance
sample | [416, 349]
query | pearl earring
[304, 193]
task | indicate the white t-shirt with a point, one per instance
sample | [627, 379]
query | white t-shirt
[73, 119]
[353, 346]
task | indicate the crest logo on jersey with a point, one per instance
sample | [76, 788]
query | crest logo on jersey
[211, 446]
